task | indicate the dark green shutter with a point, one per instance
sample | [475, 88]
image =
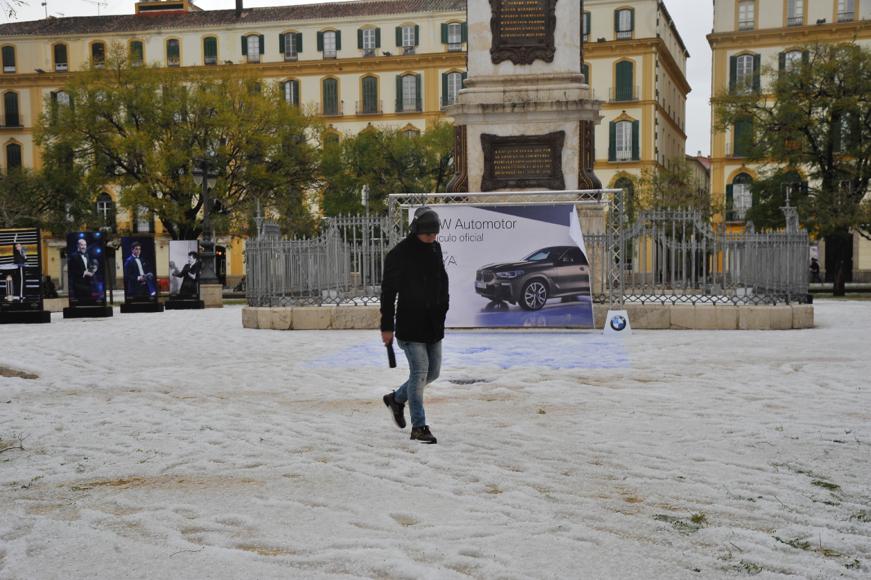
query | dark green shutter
[730, 203]
[805, 56]
[733, 73]
[631, 19]
[294, 89]
[616, 21]
[8, 56]
[398, 36]
[262, 42]
[417, 92]
[743, 136]
[298, 42]
[585, 70]
[10, 104]
[359, 38]
[781, 61]
[281, 45]
[464, 32]
[210, 47]
[338, 40]
[612, 141]
[624, 81]
[244, 46]
[398, 93]
[320, 41]
[416, 35]
[463, 80]
[757, 73]
[444, 89]
[444, 33]
[636, 140]
[586, 26]
[378, 37]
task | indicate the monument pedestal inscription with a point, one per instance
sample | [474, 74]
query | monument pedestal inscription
[525, 116]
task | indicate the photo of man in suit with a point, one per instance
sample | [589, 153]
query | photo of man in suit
[189, 274]
[82, 270]
[139, 283]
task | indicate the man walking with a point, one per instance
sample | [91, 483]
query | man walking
[415, 271]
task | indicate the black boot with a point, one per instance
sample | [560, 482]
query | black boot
[398, 409]
[423, 434]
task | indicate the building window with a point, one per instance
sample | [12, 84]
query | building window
[106, 210]
[10, 108]
[368, 39]
[290, 45]
[623, 144]
[791, 60]
[137, 53]
[98, 54]
[61, 63]
[331, 97]
[410, 133]
[370, 96]
[290, 92]
[623, 23]
[329, 43]
[623, 87]
[452, 82]
[743, 138]
[408, 93]
[210, 50]
[585, 70]
[173, 52]
[58, 99]
[747, 15]
[739, 197]
[13, 156]
[331, 138]
[744, 74]
[144, 220]
[9, 59]
[795, 13]
[252, 47]
[454, 35]
[846, 10]
[585, 26]
[409, 37]
[623, 141]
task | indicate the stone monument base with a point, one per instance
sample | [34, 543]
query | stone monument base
[212, 295]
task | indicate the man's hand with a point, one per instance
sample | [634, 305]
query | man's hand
[386, 337]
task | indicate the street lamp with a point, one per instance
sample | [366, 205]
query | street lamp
[206, 179]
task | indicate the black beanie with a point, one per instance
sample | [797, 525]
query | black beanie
[427, 222]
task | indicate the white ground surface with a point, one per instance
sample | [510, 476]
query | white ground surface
[149, 454]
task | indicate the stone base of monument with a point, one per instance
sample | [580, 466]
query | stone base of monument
[136, 307]
[88, 312]
[184, 304]
[25, 317]
[212, 295]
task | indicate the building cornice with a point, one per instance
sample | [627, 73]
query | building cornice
[838, 32]
[639, 46]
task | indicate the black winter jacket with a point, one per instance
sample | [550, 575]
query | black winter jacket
[415, 271]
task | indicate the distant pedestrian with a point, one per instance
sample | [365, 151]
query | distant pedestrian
[815, 271]
[414, 270]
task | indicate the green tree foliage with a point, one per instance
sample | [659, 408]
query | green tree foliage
[150, 131]
[674, 186]
[22, 199]
[388, 161]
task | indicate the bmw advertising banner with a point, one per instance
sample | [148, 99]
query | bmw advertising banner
[515, 266]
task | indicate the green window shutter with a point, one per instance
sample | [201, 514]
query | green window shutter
[616, 21]
[632, 19]
[262, 43]
[464, 32]
[398, 93]
[299, 42]
[585, 70]
[757, 73]
[733, 74]
[338, 40]
[444, 89]
[636, 139]
[210, 47]
[8, 56]
[444, 33]
[612, 141]
[244, 46]
[417, 92]
[729, 198]
[624, 70]
[281, 46]
[416, 35]
[378, 37]
[359, 38]
[743, 135]
[320, 41]
[463, 80]
[294, 89]
[781, 61]
[398, 36]
[805, 56]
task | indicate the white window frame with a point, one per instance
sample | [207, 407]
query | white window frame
[105, 208]
[454, 80]
[747, 15]
[409, 93]
[368, 39]
[329, 44]
[623, 140]
[742, 198]
[290, 50]
[287, 89]
[455, 33]
[624, 23]
[795, 13]
[744, 73]
[408, 36]
[846, 10]
[142, 217]
[792, 60]
[62, 98]
[253, 43]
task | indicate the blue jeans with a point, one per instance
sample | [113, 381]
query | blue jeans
[424, 364]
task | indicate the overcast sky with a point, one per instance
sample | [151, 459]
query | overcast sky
[694, 19]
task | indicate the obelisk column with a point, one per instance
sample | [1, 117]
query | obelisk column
[525, 117]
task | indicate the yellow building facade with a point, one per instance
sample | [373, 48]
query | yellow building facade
[749, 35]
[394, 63]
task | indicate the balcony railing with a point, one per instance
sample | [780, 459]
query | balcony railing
[12, 120]
[795, 21]
[621, 94]
[846, 16]
[367, 52]
[329, 54]
[455, 46]
[333, 110]
[448, 101]
[402, 107]
[407, 50]
[9, 69]
[291, 56]
[61, 67]
[210, 60]
[624, 34]
[369, 108]
[746, 24]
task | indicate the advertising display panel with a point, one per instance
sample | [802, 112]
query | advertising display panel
[20, 275]
[86, 269]
[515, 266]
[184, 269]
[140, 280]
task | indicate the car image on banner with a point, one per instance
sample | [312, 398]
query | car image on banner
[515, 266]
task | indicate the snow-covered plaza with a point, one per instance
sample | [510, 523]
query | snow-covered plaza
[182, 446]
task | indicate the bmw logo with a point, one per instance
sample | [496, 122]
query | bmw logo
[618, 322]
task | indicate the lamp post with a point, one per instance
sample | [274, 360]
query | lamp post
[207, 180]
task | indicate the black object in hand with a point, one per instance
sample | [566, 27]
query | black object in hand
[391, 356]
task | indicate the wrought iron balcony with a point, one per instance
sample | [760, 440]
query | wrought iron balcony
[369, 107]
[622, 94]
[332, 109]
